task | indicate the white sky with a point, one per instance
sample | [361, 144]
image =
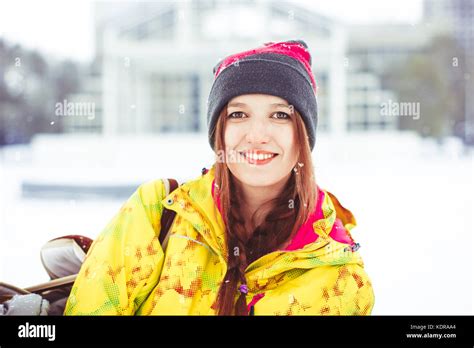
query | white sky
[369, 11]
[64, 28]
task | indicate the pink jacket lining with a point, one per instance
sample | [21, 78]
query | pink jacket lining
[305, 234]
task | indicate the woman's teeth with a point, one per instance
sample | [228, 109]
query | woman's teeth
[259, 157]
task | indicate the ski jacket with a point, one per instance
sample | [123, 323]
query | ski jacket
[128, 272]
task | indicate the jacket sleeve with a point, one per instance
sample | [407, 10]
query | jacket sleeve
[124, 263]
[358, 297]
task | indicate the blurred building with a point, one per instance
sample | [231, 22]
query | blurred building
[370, 56]
[156, 59]
[91, 93]
[457, 15]
[375, 49]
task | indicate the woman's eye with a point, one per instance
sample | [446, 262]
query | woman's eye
[281, 115]
[277, 115]
[236, 115]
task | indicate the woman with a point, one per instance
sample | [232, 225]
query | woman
[252, 235]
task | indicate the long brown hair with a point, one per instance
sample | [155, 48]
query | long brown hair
[284, 214]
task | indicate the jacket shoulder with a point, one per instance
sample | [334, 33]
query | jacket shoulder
[152, 191]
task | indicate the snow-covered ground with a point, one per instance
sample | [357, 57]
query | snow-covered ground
[412, 199]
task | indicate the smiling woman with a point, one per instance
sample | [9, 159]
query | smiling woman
[260, 121]
[255, 234]
[270, 147]
[263, 186]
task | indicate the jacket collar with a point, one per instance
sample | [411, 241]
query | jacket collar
[193, 201]
[330, 226]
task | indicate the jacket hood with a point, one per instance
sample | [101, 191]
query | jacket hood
[327, 230]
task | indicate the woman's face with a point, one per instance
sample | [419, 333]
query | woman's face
[260, 139]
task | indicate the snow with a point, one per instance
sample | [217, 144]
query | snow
[413, 201]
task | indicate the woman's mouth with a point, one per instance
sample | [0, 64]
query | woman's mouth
[258, 158]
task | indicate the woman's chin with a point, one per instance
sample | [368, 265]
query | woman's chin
[257, 179]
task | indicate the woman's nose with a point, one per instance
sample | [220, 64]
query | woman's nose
[257, 132]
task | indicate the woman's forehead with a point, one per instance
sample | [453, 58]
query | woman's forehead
[252, 99]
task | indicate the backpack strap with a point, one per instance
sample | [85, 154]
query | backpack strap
[167, 216]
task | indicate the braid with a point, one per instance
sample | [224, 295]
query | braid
[244, 250]
[236, 259]
[282, 217]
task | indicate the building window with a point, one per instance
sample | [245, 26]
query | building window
[175, 103]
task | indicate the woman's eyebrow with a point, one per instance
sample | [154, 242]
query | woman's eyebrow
[280, 104]
[237, 105]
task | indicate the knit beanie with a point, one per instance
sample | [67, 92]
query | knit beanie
[282, 69]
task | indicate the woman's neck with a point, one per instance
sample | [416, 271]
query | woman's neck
[253, 197]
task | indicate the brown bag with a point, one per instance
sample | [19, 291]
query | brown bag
[57, 290]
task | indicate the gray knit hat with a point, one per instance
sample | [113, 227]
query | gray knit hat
[281, 69]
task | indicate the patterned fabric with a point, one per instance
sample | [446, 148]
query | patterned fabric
[126, 271]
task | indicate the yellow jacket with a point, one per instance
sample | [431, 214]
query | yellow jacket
[127, 272]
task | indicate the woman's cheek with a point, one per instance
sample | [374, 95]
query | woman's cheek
[284, 137]
[232, 135]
